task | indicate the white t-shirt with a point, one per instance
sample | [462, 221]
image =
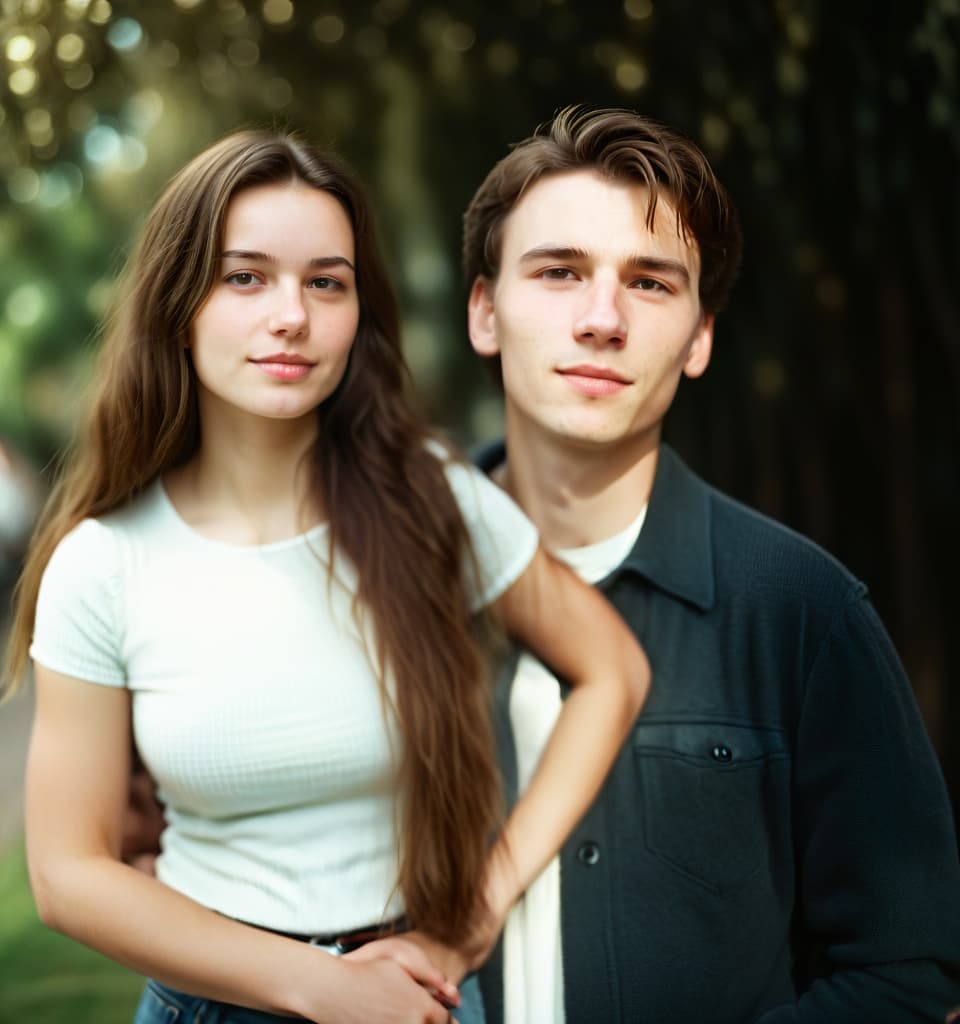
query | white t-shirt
[533, 953]
[256, 707]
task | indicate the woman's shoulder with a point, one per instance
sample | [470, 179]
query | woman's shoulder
[95, 540]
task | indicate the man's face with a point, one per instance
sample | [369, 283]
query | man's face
[595, 316]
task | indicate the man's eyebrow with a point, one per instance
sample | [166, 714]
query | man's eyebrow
[553, 252]
[659, 265]
[636, 262]
[264, 257]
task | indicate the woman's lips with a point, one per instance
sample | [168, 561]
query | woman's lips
[283, 367]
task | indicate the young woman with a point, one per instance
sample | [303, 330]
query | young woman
[258, 559]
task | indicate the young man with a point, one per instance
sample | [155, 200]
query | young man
[775, 842]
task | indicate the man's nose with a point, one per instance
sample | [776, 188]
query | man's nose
[601, 320]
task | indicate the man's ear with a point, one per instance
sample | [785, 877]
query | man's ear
[481, 319]
[701, 347]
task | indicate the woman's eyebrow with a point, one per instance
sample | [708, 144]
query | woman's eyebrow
[265, 257]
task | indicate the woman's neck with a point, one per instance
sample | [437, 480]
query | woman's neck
[249, 482]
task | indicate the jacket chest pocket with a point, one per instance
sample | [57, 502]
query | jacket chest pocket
[715, 798]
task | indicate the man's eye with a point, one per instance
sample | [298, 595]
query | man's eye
[647, 284]
[557, 274]
[242, 278]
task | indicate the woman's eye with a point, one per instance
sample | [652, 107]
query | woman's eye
[242, 278]
[325, 284]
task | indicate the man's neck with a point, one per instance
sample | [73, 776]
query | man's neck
[577, 494]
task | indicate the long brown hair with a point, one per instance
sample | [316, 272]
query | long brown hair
[390, 509]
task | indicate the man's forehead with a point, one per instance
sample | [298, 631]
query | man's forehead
[598, 215]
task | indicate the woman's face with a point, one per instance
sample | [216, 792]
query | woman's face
[273, 335]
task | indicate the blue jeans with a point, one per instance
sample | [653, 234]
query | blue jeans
[160, 1004]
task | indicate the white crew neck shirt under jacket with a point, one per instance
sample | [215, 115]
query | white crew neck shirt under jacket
[256, 706]
[533, 953]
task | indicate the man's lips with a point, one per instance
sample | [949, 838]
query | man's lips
[594, 380]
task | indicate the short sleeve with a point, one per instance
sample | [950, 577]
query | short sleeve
[503, 538]
[76, 630]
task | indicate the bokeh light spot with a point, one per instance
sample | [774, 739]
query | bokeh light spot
[769, 377]
[807, 258]
[939, 110]
[831, 292]
[70, 47]
[277, 12]
[39, 126]
[60, 186]
[125, 34]
[133, 154]
[791, 74]
[502, 57]
[371, 42]
[631, 75]
[99, 295]
[458, 36]
[76, 8]
[388, 11]
[244, 53]
[23, 81]
[716, 133]
[328, 29]
[167, 54]
[101, 145]
[20, 48]
[23, 184]
[277, 93]
[101, 11]
[25, 305]
[78, 77]
[799, 31]
[144, 109]
[639, 10]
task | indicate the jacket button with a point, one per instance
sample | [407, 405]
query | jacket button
[588, 853]
[722, 753]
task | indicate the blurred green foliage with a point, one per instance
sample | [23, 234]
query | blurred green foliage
[45, 975]
[833, 399]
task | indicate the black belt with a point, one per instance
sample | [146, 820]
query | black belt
[339, 943]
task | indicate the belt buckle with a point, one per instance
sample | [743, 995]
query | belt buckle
[333, 948]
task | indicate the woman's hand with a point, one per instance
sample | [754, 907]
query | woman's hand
[429, 963]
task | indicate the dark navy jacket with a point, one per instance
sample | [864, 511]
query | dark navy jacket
[774, 842]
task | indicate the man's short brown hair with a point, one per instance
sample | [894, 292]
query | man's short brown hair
[623, 146]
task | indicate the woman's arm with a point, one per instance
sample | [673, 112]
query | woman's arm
[576, 632]
[572, 628]
[77, 777]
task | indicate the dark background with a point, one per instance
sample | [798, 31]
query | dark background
[831, 402]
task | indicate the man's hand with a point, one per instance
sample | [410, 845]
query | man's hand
[143, 821]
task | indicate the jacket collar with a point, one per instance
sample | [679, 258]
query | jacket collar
[674, 550]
